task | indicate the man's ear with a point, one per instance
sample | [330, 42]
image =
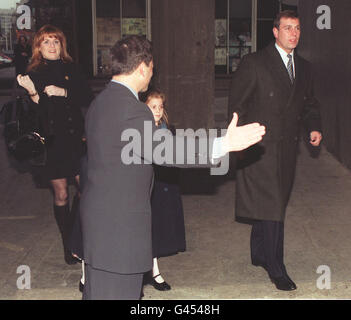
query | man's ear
[275, 32]
[141, 69]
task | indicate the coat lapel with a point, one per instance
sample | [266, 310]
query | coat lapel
[278, 68]
[281, 73]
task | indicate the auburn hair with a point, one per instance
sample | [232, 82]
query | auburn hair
[51, 32]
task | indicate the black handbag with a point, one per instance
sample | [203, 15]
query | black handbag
[22, 129]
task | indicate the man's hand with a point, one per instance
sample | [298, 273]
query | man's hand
[315, 138]
[240, 138]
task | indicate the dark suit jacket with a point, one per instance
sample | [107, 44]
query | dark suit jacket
[261, 91]
[115, 204]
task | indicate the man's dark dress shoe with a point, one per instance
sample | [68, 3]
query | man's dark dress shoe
[292, 282]
[284, 283]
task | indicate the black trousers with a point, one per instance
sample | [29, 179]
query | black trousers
[267, 246]
[104, 285]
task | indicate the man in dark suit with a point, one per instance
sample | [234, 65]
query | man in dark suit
[274, 87]
[115, 204]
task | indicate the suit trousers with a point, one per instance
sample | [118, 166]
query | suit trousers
[104, 285]
[267, 246]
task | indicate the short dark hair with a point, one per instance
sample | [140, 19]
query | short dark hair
[129, 52]
[284, 14]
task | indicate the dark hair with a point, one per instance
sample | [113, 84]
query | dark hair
[129, 52]
[284, 14]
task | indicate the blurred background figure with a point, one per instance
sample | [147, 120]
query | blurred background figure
[23, 52]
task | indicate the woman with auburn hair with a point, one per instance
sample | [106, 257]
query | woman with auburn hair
[59, 90]
[168, 230]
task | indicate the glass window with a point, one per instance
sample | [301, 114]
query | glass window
[240, 13]
[108, 31]
[232, 32]
[221, 13]
[114, 20]
[134, 17]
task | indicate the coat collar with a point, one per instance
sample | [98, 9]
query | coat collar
[116, 85]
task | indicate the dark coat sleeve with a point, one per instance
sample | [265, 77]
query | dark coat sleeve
[311, 114]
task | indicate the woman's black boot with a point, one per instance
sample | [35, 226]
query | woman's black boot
[62, 216]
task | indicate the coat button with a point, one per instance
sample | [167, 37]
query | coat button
[71, 131]
[271, 94]
[70, 119]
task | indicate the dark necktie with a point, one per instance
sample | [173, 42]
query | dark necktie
[290, 68]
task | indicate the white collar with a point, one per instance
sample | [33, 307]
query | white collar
[283, 53]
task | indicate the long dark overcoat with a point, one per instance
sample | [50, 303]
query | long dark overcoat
[261, 91]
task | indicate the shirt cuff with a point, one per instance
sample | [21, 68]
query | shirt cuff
[217, 149]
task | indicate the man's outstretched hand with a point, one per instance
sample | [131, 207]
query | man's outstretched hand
[242, 137]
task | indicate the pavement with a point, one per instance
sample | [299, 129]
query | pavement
[216, 264]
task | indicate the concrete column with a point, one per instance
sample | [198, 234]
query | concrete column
[183, 41]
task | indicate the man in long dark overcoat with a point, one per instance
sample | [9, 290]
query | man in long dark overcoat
[274, 87]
